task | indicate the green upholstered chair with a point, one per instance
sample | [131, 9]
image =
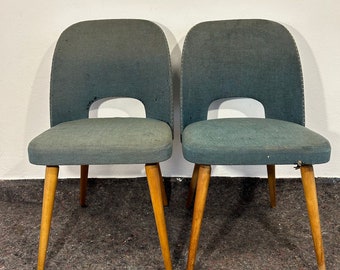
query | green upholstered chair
[95, 60]
[257, 59]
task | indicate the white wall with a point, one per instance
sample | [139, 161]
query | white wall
[29, 30]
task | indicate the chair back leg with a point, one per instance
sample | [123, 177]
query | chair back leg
[84, 172]
[272, 185]
[51, 179]
[192, 187]
[164, 196]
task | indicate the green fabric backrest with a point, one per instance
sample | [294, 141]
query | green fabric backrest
[111, 58]
[241, 58]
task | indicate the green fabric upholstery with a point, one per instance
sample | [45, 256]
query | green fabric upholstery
[245, 58]
[103, 141]
[110, 58]
[241, 58]
[100, 59]
[250, 141]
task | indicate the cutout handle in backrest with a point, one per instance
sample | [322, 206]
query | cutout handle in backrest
[111, 58]
[235, 108]
[117, 107]
[256, 59]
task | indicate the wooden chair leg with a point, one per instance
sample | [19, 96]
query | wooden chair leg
[272, 185]
[192, 187]
[308, 181]
[201, 196]
[84, 171]
[153, 174]
[51, 179]
[164, 197]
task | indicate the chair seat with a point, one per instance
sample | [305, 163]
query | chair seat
[252, 141]
[103, 141]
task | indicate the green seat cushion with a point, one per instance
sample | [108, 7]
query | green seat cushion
[103, 141]
[252, 141]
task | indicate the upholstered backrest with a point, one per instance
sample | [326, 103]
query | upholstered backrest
[110, 58]
[241, 58]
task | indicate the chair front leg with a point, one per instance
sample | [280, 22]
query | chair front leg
[84, 172]
[51, 179]
[155, 182]
[272, 185]
[309, 186]
[203, 180]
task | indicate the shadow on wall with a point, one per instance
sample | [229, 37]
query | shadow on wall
[176, 165]
[38, 115]
[314, 93]
[313, 87]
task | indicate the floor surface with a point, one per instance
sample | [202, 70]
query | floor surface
[117, 229]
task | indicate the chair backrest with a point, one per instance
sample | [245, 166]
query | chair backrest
[241, 58]
[111, 58]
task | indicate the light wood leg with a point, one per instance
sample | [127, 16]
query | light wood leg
[51, 179]
[308, 181]
[192, 187]
[272, 185]
[200, 200]
[154, 180]
[84, 171]
[164, 197]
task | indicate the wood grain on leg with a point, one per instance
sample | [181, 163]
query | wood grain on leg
[308, 181]
[154, 180]
[192, 187]
[51, 179]
[272, 185]
[164, 197]
[200, 200]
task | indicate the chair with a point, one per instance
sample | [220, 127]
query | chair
[256, 59]
[95, 60]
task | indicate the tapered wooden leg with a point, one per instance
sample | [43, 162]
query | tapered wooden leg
[192, 187]
[201, 196]
[164, 197]
[84, 171]
[51, 179]
[153, 174]
[308, 181]
[272, 185]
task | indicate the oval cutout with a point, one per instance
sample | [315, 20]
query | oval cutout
[117, 107]
[236, 108]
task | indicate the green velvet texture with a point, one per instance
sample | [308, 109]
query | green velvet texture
[237, 141]
[103, 141]
[245, 58]
[100, 59]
